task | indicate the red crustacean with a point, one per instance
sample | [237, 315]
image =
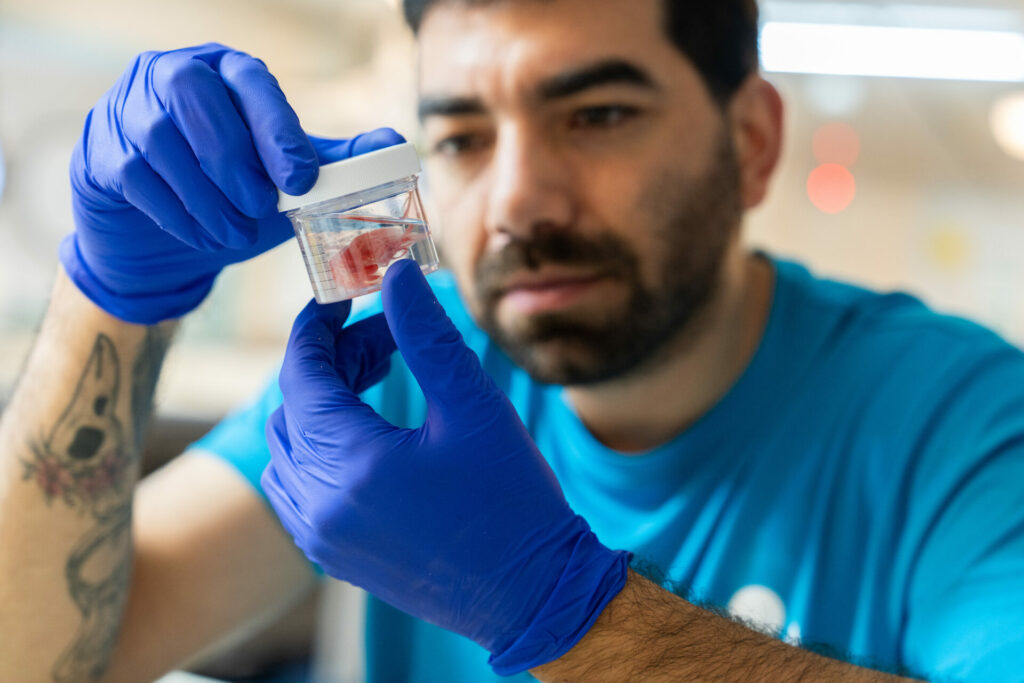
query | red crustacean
[361, 263]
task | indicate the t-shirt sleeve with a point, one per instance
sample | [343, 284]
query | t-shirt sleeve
[965, 598]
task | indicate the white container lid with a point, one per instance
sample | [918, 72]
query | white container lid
[356, 174]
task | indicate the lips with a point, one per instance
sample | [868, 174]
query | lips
[547, 282]
[539, 293]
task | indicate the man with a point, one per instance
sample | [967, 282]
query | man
[852, 459]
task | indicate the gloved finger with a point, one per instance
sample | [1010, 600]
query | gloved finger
[293, 485]
[290, 511]
[448, 372]
[363, 352]
[171, 157]
[276, 431]
[282, 145]
[328, 151]
[316, 394]
[147, 191]
[196, 98]
[312, 339]
[294, 476]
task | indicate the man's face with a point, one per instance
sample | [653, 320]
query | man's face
[587, 184]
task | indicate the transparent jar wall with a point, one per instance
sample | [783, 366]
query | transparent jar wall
[348, 243]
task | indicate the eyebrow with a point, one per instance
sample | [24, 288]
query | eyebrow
[448, 106]
[606, 72]
[566, 84]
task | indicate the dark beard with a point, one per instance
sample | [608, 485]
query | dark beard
[695, 225]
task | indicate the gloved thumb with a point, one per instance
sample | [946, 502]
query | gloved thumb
[328, 364]
[362, 353]
[448, 372]
[310, 355]
[328, 150]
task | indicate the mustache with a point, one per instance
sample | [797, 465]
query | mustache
[606, 254]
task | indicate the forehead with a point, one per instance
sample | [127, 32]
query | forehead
[501, 49]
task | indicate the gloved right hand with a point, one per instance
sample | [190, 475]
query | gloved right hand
[176, 176]
[460, 522]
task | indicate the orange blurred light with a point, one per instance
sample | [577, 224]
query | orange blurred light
[837, 143]
[831, 188]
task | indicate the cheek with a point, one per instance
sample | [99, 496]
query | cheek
[462, 236]
[621, 201]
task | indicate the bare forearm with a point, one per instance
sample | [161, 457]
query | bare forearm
[69, 446]
[649, 634]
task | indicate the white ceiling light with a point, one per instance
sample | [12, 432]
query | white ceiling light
[969, 16]
[1007, 119]
[852, 50]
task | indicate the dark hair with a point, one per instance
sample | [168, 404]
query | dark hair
[718, 36]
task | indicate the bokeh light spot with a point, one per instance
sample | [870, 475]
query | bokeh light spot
[760, 606]
[1007, 121]
[949, 247]
[837, 143]
[831, 188]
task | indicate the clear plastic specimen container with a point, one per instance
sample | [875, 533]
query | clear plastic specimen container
[363, 214]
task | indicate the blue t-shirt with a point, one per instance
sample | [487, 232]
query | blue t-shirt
[860, 488]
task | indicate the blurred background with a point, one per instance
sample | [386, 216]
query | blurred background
[903, 167]
[897, 181]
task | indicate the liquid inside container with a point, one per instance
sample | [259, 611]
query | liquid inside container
[349, 242]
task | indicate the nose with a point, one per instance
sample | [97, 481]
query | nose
[531, 187]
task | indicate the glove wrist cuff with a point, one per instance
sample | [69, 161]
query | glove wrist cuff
[135, 307]
[593, 576]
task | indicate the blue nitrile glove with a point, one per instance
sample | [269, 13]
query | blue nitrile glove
[176, 176]
[460, 522]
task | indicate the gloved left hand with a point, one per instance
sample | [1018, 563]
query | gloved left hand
[460, 522]
[175, 177]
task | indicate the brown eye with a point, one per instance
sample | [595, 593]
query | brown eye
[608, 116]
[456, 145]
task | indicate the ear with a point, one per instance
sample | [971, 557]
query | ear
[756, 116]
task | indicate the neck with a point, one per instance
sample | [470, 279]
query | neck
[658, 402]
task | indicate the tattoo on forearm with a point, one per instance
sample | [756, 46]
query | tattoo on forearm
[105, 551]
[87, 463]
[145, 372]
[83, 461]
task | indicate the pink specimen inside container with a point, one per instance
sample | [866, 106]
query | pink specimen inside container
[361, 263]
[362, 215]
